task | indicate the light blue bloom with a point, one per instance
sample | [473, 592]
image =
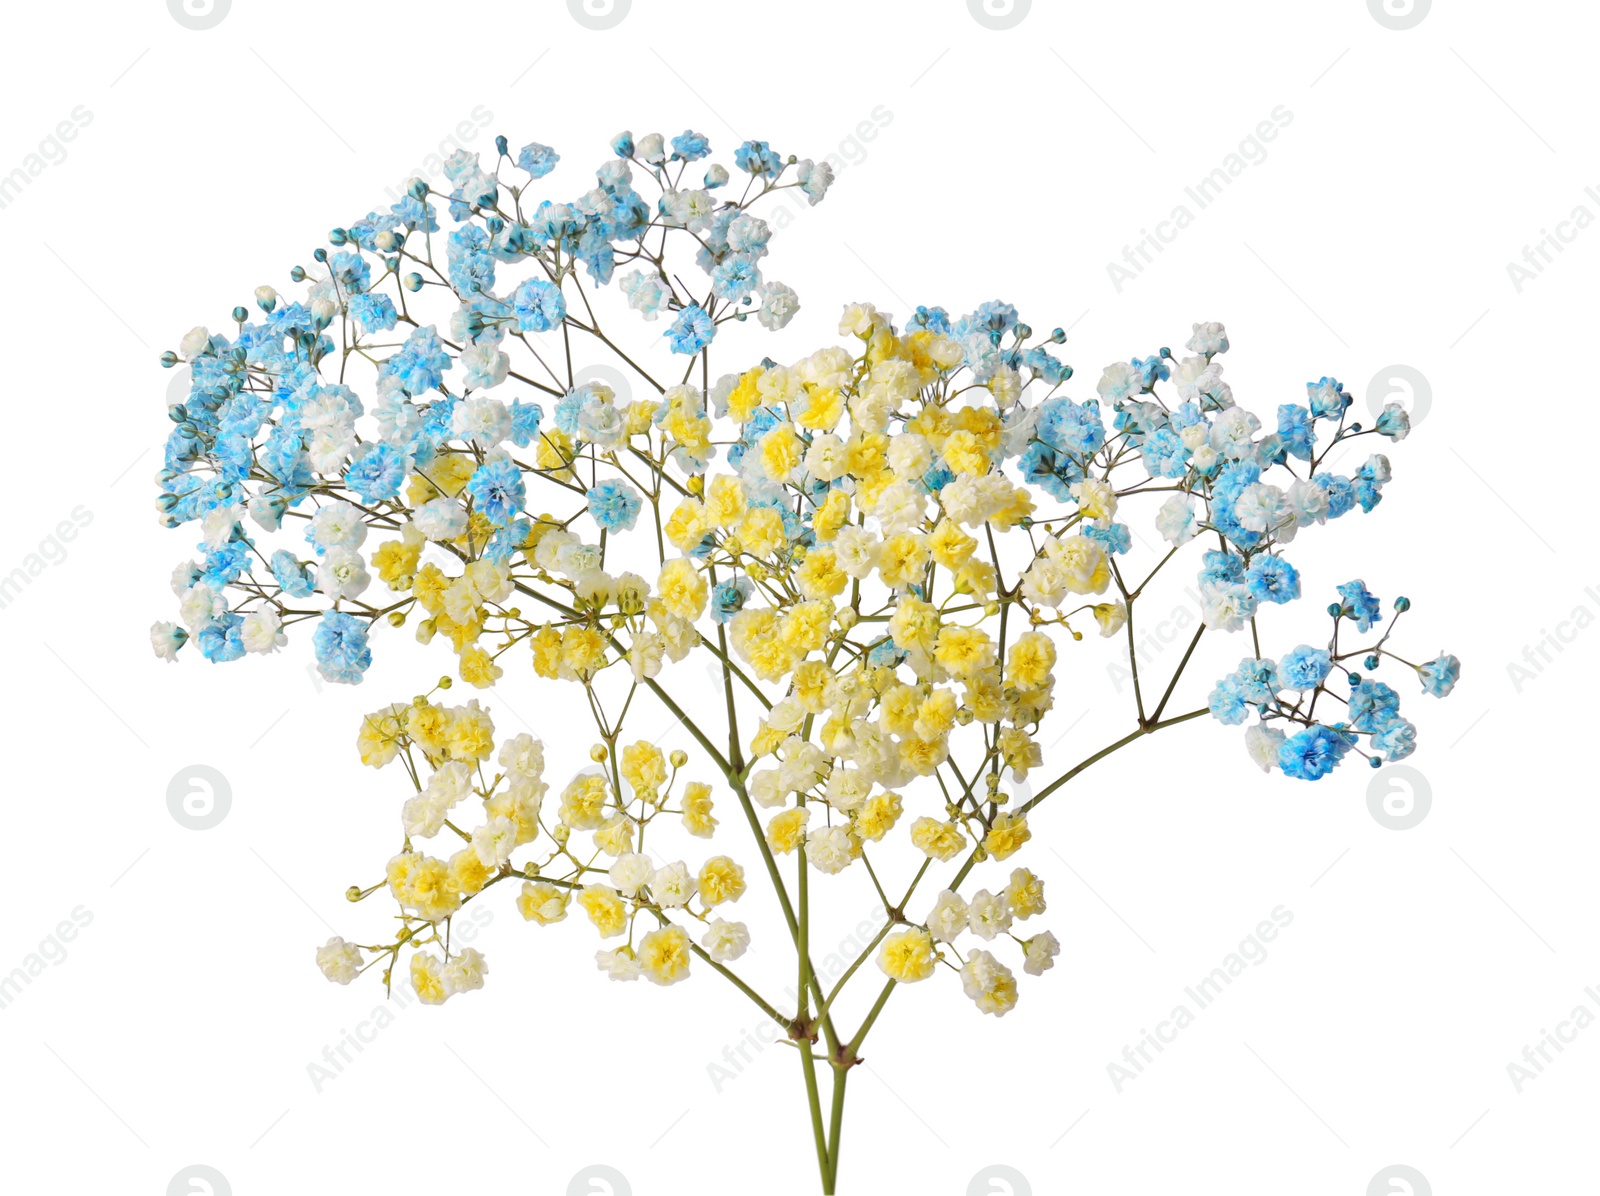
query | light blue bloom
[377, 471]
[538, 160]
[341, 648]
[1304, 668]
[221, 639]
[1313, 753]
[1439, 676]
[1360, 606]
[691, 331]
[497, 490]
[1273, 579]
[539, 305]
[614, 506]
[292, 576]
[728, 598]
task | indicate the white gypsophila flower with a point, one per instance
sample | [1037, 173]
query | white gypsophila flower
[1040, 953]
[726, 941]
[1262, 744]
[673, 884]
[910, 455]
[465, 972]
[828, 849]
[494, 841]
[1226, 606]
[441, 519]
[778, 305]
[340, 961]
[483, 421]
[267, 511]
[631, 872]
[262, 632]
[195, 342]
[199, 605]
[338, 525]
[1308, 502]
[485, 364]
[217, 524]
[343, 573]
[988, 914]
[1232, 431]
[522, 753]
[166, 639]
[1209, 338]
[1175, 520]
[989, 983]
[948, 918]
[618, 964]
[826, 458]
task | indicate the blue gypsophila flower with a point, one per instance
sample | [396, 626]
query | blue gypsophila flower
[729, 597]
[292, 576]
[538, 160]
[420, 363]
[690, 146]
[1371, 704]
[374, 313]
[1439, 676]
[497, 490]
[691, 331]
[1360, 605]
[1273, 579]
[221, 639]
[1294, 426]
[1313, 753]
[525, 419]
[539, 305]
[614, 506]
[1304, 668]
[341, 647]
[376, 471]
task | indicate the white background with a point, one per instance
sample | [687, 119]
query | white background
[1377, 230]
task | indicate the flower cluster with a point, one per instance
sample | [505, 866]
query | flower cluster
[882, 552]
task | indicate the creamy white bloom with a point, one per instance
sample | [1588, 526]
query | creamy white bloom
[673, 885]
[1040, 953]
[618, 964]
[494, 840]
[948, 917]
[1226, 606]
[343, 573]
[828, 849]
[441, 519]
[988, 914]
[262, 631]
[340, 961]
[482, 420]
[726, 941]
[465, 972]
[1262, 743]
[631, 872]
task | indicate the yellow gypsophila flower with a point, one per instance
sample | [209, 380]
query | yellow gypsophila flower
[542, 902]
[720, 880]
[908, 956]
[1007, 835]
[605, 909]
[664, 955]
[785, 831]
[938, 840]
[378, 741]
[697, 819]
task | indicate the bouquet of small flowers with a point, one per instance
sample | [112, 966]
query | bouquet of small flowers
[877, 557]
